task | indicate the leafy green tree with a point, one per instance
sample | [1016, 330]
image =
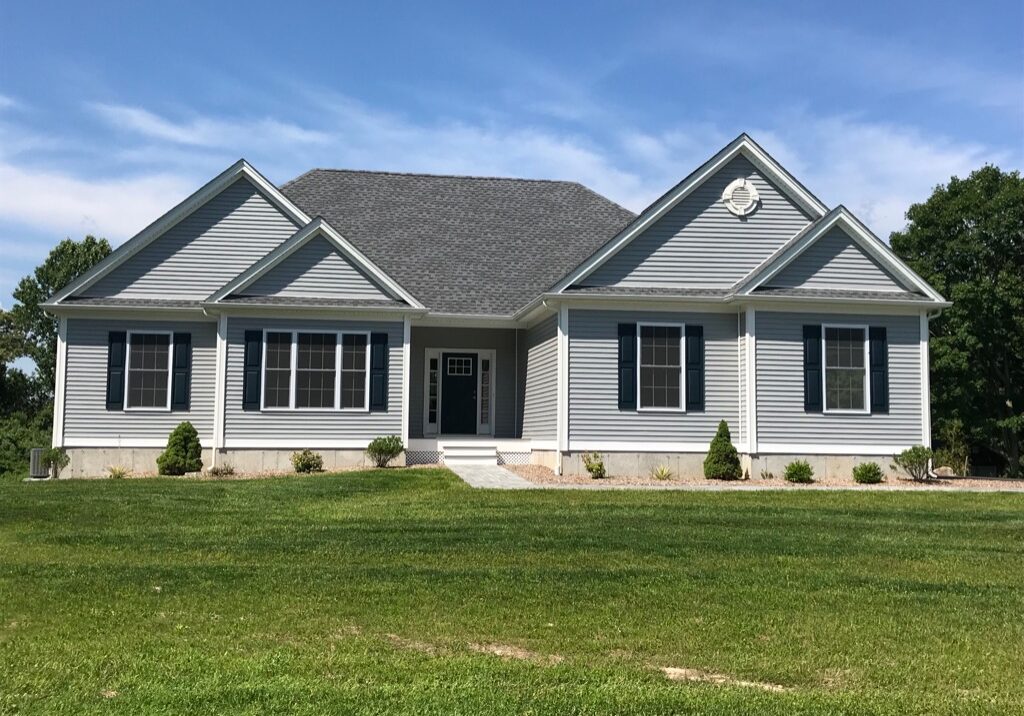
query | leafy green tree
[26, 330]
[967, 240]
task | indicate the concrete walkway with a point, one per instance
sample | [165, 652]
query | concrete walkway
[492, 477]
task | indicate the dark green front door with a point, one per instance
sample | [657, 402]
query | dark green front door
[458, 393]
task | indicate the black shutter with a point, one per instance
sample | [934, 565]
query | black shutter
[878, 354]
[627, 366]
[378, 371]
[694, 367]
[181, 380]
[117, 349]
[812, 369]
[251, 377]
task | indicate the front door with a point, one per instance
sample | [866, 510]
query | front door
[458, 393]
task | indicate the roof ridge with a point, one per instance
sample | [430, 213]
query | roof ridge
[479, 177]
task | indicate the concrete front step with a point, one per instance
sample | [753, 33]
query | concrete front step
[469, 454]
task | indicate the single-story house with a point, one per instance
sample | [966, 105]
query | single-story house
[496, 320]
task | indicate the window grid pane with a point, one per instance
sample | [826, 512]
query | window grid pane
[353, 370]
[277, 375]
[148, 370]
[660, 366]
[845, 371]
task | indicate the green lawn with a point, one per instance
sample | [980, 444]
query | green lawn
[362, 592]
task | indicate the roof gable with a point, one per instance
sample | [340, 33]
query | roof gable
[836, 260]
[316, 262]
[222, 227]
[699, 242]
[742, 145]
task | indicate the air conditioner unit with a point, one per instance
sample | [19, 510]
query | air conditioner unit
[37, 465]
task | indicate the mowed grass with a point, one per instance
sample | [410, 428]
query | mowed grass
[363, 593]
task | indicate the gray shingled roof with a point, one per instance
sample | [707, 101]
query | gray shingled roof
[840, 293]
[665, 291]
[313, 301]
[467, 245]
[131, 301]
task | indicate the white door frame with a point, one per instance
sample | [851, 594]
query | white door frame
[434, 429]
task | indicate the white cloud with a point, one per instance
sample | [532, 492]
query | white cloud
[8, 102]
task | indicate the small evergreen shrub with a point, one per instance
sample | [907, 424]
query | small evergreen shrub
[117, 472]
[722, 462]
[184, 453]
[799, 471]
[915, 461]
[661, 472]
[56, 459]
[594, 465]
[307, 461]
[384, 449]
[224, 470]
[868, 473]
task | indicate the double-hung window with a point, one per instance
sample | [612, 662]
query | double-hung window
[149, 371]
[661, 368]
[846, 378]
[315, 370]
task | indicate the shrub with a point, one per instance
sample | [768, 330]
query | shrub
[594, 465]
[661, 472]
[384, 449]
[955, 453]
[222, 470]
[868, 473]
[117, 472]
[56, 459]
[915, 462]
[722, 462]
[799, 471]
[767, 474]
[183, 453]
[307, 461]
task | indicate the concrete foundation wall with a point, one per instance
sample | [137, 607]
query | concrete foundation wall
[96, 462]
[823, 465]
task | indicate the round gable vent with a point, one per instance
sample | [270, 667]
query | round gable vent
[740, 197]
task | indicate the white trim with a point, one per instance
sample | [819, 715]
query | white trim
[667, 446]
[751, 341]
[682, 367]
[500, 444]
[128, 371]
[220, 385]
[406, 377]
[317, 227]
[294, 364]
[860, 234]
[562, 348]
[729, 192]
[60, 378]
[200, 197]
[741, 145]
[297, 444]
[648, 446]
[432, 430]
[866, 410]
[831, 449]
[114, 441]
[491, 356]
[926, 406]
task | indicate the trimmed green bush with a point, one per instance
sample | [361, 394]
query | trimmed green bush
[307, 461]
[594, 465]
[184, 453]
[384, 449]
[722, 462]
[799, 471]
[56, 458]
[915, 462]
[868, 473]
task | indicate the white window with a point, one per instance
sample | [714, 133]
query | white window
[315, 370]
[148, 371]
[846, 375]
[660, 378]
[460, 366]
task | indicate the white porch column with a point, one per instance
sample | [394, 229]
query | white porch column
[406, 373]
[59, 379]
[220, 386]
[563, 383]
[751, 340]
[926, 397]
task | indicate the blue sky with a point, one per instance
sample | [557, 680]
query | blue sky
[110, 113]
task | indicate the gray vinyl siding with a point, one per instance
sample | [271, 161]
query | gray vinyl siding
[308, 428]
[85, 393]
[203, 251]
[501, 340]
[593, 384]
[780, 394]
[835, 261]
[700, 243]
[316, 269]
[540, 393]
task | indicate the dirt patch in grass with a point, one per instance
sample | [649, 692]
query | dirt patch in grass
[508, 651]
[709, 677]
[412, 645]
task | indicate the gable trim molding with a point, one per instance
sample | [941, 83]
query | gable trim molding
[238, 170]
[862, 236]
[315, 228]
[744, 145]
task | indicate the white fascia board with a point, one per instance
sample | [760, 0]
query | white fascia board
[319, 312]
[853, 449]
[201, 196]
[741, 145]
[836, 304]
[861, 235]
[70, 310]
[317, 227]
[704, 304]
